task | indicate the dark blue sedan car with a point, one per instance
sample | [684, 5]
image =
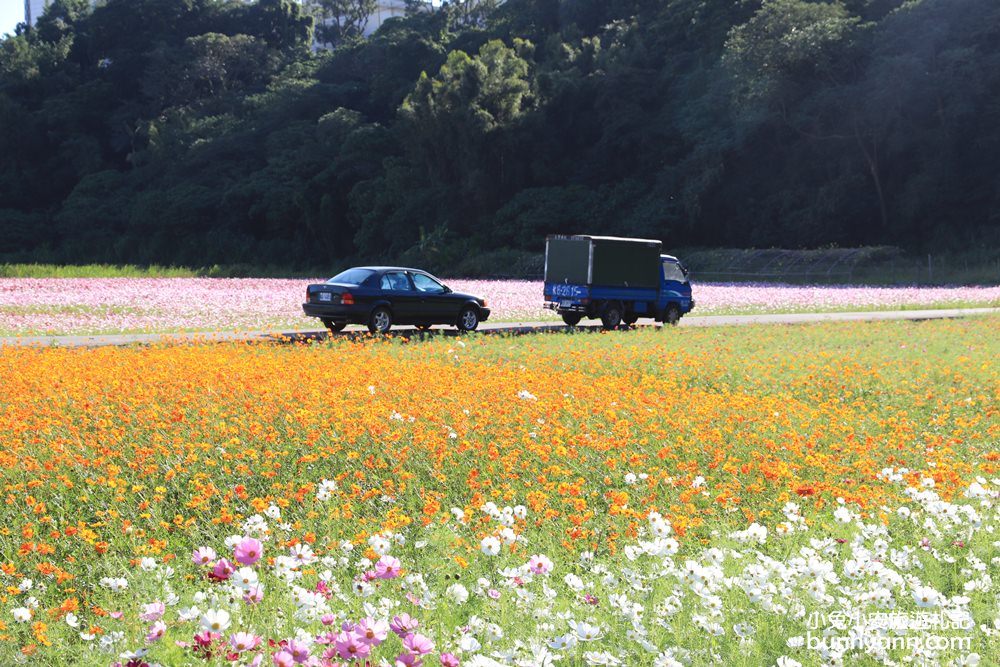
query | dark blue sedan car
[380, 296]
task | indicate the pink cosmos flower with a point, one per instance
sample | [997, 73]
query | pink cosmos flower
[449, 660]
[248, 551]
[540, 564]
[117, 615]
[156, 632]
[203, 556]
[418, 644]
[283, 658]
[372, 632]
[254, 594]
[493, 593]
[327, 619]
[350, 646]
[153, 611]
[299, 650]
[387, 567]
[222, 570]
[408, 660]
[403, 624]
[244, 641]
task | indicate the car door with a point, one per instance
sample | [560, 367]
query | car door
[436, 303]
[405, 300]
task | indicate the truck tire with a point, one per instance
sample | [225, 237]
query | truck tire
[630, 319]
[611, 316]
[571, 319]
[672, 315]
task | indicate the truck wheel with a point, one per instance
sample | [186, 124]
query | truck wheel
[334, 327]
[611, 318]
[672, 315]
[380, 320]
[571, 319]
[630, 319]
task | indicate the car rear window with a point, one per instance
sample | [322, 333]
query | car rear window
[351, 276]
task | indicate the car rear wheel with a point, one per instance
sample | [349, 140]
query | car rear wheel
[334, 327]
[380, 321]
[672, 315]
[572, 319]
[611, 318]
[468, 319]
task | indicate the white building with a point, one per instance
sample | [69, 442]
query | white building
[384, 10]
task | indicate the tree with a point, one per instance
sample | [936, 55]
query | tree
[342, 20]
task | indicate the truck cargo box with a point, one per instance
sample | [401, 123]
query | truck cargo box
[606, 261]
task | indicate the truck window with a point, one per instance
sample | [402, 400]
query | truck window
[672, 271]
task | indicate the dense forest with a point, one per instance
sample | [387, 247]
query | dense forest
[213, 131]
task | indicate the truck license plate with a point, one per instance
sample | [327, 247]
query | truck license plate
[565, 303]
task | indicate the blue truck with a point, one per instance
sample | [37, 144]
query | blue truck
[615, 279]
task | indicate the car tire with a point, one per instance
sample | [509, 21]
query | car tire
[380, 321]
[468, 319]
[334, 327]
[572, 319]
[611, 316]
[672, 315]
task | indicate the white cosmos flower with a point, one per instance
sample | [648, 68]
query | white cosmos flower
[925, 596]
[458, 593]
[563, 642]
[585, 632]
[490, 545]
[216, 620]
[245, 578]
[842, 514]
[21, 614]
[72, 620]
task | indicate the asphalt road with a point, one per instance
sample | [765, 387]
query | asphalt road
[499, 327]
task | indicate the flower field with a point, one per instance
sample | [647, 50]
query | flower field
[624, 498]
[33, 306]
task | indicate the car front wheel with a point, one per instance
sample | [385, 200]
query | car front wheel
[380, 321]
[468, 320]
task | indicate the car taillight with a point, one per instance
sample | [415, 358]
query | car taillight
[485, 304]
[308, 296]
[347, 299]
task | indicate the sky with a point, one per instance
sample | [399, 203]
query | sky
[11, 13]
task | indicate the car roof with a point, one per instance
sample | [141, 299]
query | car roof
[389, 268]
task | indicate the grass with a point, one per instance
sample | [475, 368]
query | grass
[110, 456]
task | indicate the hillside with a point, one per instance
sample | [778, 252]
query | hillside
[197, 132]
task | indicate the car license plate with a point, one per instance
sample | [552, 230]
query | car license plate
[565, 303]
[325, 296]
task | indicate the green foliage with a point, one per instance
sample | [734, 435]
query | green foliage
[208, 132]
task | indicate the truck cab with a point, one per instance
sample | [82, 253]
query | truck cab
[615, 279]
[675, 288]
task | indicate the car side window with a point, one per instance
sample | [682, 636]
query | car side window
[427, 284]
[396, 281]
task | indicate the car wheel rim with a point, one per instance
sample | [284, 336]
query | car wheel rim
[382, 321]
[469, 319]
